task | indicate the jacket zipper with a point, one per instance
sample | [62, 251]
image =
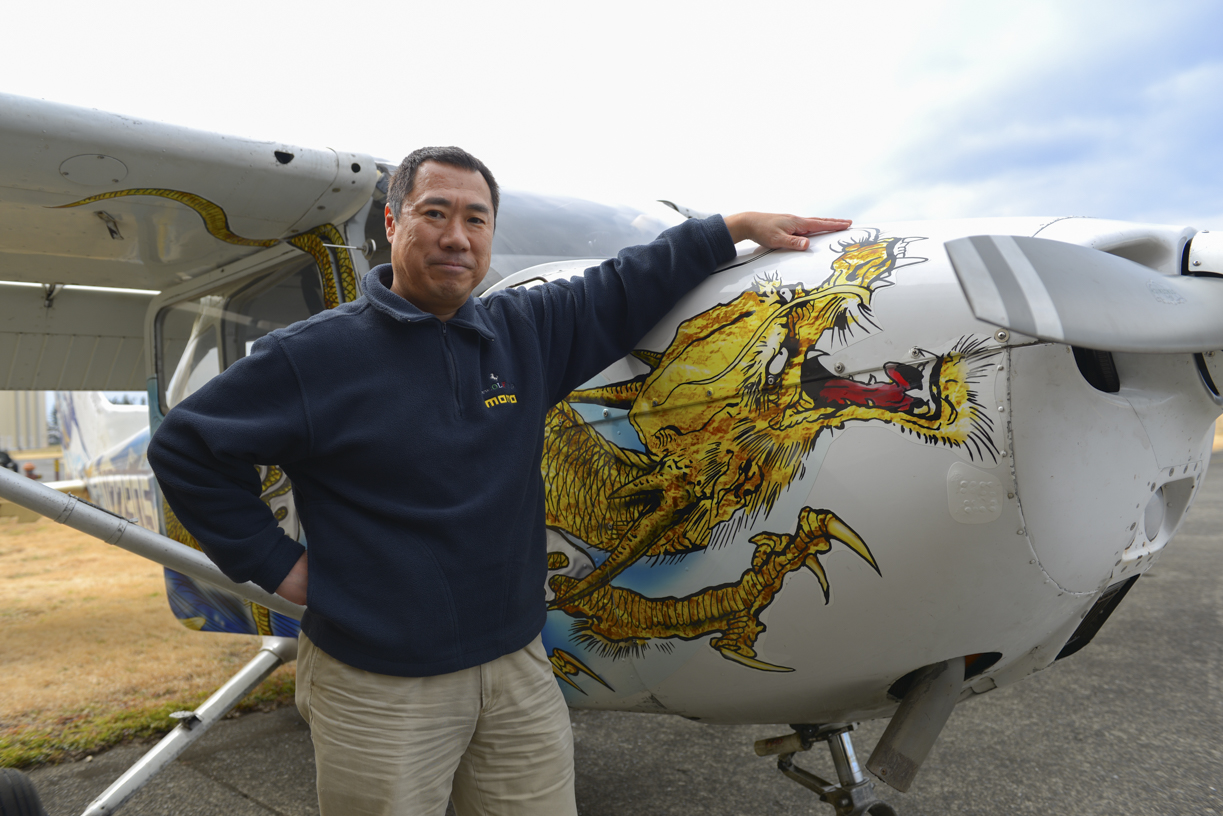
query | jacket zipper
[454, 370]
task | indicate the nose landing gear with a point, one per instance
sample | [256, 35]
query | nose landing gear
[853, 794]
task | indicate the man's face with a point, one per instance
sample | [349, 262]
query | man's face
[442, 243]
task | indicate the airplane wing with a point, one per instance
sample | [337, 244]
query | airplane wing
[98, 199]
[1073, 294]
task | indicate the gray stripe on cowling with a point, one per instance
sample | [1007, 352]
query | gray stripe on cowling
[976, 281]
[1044, 312]
[1019, 314]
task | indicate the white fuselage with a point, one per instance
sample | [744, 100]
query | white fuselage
[998, 544]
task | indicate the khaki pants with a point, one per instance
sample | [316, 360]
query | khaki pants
[494, 738]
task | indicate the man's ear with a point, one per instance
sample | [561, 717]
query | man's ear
[390, 223]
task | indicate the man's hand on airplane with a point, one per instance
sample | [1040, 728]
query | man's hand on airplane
[293, 587]
[775, 231]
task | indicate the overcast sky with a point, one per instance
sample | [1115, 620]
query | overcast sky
[871, 110]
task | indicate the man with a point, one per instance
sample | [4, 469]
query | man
[421, 670]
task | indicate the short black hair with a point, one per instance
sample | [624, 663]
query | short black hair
[405, 176]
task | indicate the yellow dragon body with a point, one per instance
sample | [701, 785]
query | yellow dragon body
[727, 415]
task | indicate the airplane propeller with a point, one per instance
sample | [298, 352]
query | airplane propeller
[1071, 294]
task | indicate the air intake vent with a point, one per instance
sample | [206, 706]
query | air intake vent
[1098, 368]
[1103, 607]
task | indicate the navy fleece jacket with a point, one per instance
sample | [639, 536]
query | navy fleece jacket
[414, 450]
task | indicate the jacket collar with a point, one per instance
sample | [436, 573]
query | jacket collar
[378, 289]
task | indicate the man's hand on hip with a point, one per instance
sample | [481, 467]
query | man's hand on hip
[776, 231]
[293, 587]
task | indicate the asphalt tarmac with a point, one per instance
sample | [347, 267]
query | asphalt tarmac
[1130, 725]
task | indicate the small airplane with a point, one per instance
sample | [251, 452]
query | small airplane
[917, 462]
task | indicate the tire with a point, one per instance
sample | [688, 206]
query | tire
[17, 795]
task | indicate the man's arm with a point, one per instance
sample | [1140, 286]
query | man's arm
[587, 322]
[205, 452]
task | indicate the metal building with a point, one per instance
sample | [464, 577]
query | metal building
[23, 420]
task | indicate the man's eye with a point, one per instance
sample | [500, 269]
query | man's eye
[434, 214]
[475, 220]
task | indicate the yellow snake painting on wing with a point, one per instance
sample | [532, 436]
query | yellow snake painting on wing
[339, 279]
[726, 416]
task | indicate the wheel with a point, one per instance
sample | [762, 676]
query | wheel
[17, 795]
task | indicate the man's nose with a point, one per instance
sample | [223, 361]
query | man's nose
[454, 236]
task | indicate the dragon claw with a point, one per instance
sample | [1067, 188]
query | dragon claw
[565, 665]
[753, 663]
[812, 563]
[842, 532]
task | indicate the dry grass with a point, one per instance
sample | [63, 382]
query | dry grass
[90, 651]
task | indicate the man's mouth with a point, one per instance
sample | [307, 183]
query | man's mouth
[451, 265]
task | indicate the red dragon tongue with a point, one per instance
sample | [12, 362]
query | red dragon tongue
[849, 392]
[826, 390]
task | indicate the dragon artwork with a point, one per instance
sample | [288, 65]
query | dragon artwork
[726, 415]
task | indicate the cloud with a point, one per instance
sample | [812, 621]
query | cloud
[1125, 123]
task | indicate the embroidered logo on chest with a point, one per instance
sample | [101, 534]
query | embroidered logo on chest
[499, 392]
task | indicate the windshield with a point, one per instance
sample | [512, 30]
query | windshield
[533, 229]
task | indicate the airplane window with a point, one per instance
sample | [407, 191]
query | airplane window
[530, 224]
[198, 361]
[533, 229]
[290, 294]
[187, 333]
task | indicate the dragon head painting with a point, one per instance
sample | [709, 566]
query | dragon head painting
[727, 415]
